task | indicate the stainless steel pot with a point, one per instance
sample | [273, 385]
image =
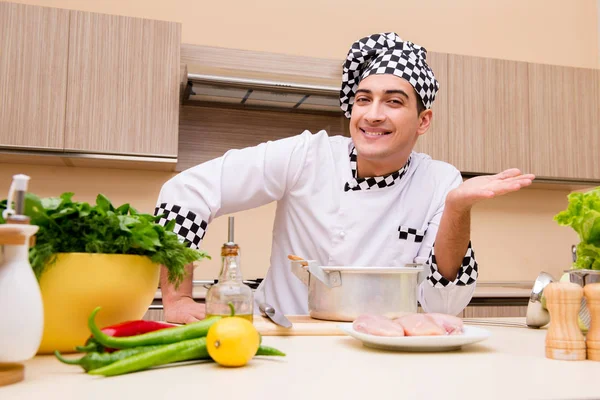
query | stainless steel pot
[340, 293]
[583, 277]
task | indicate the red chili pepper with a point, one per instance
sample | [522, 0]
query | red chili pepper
[128, 328]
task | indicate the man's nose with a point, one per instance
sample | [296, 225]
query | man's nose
[375, 113]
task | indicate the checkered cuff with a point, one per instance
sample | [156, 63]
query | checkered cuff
[188, 226]
[467, 275]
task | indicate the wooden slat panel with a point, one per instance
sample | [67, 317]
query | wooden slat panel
[488, 114]
[33, 75]
[435, 141]
[154, 315]
[494, 311]
[123, 90]
[208, 132]
[564, 121]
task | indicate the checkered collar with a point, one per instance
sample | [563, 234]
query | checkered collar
[377, 182]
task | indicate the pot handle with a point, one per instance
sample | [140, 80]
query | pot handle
[329, 279]
[300, 269]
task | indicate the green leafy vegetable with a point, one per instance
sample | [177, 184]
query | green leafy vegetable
[67, 226]
[583, 215]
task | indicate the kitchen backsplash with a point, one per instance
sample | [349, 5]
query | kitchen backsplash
[514, 236]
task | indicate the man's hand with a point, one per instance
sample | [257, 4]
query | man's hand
[454, 232]
[178, 305]
[486, 187]
[184, 311]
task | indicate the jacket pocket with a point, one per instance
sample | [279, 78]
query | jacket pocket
[411, 235]
[409, 242]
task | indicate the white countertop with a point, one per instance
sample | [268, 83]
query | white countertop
[510, 364]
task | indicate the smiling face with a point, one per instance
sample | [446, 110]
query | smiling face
[385, 124]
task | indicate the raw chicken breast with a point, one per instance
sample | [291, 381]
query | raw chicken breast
[420, 325]
[453, 325]
[377, 325]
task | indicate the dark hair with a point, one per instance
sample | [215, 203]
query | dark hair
[420, 105]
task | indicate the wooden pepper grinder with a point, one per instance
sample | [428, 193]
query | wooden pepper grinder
[592, 297]
[564, 340]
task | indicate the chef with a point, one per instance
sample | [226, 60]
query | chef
[367, 200]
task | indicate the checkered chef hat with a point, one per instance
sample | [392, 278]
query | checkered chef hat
[386, 53]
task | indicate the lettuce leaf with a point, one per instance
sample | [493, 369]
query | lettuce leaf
[583, 215]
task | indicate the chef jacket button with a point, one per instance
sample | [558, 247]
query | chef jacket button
[342, 234]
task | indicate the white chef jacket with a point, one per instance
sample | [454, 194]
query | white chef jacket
[325, 213]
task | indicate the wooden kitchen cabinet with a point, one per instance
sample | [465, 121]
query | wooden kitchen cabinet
[488, 114]
[564, 108]
[123, 85]
[33, 76]
[435, 141]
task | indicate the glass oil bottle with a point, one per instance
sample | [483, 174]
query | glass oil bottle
[230, 287]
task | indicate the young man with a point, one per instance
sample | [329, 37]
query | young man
[365, 200]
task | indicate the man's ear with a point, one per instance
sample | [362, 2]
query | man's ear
[424, 121]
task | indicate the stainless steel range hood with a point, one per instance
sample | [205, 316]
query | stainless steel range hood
[250, 92]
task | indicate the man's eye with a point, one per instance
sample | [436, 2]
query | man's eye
[398, 102]
[362, 100]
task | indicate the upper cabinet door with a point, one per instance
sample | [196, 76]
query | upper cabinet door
[488, 114]
[435, 141]
[33, 75]
[564, 106]
[123, 85]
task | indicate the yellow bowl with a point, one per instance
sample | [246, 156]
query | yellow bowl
[123, 285]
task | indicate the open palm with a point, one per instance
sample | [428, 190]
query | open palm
[488, 186]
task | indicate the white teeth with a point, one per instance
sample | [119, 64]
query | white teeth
[375, 133]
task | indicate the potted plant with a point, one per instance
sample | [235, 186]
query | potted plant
[97, 255]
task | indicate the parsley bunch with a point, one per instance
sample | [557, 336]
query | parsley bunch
[67, 226]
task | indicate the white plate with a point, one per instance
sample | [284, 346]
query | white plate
[470, 335]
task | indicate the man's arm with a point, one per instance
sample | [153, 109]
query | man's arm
[453, 235]
[452, 240]
[453, 269]
[238, 180]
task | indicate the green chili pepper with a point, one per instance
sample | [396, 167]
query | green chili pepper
[192, 349]
[128, 328]
[268, 351]
[90, 346]
[96, 360]
[165, 336]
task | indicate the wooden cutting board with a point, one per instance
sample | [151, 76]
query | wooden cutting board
[303, 325]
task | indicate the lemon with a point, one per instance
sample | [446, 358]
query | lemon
[232, 341]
